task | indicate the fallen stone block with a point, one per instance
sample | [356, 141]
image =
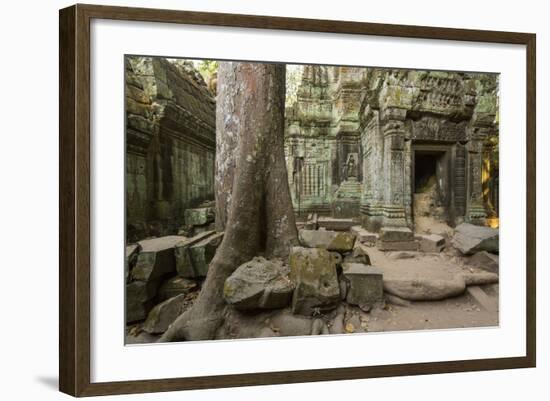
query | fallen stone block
[366, 287]
[358, 255]
[432, 243]
[156, 259]
[132, 252]
[486, 261]
[364, 236]
[330, 240]
[137, 301]
[202, 253]
[425, 289]
[469, 239]
[335, 224]
[396, 234]
[164, 314]
[313, 272]
[259, 284]
[199, 216]
[175, 286]
[183, 256]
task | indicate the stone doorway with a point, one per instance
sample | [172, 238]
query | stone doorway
[430, 186]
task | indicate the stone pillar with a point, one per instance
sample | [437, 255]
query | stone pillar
[475, 210]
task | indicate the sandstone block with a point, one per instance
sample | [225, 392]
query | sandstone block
[364, 236]
[432, 243]
[425, 289]
[398, 246]
[259, 284]
[358, 255]
[313, 272]
[396, 234]
[486, 261]
[175, 286]
[156, 259]
[185, 257]
[366, 287]
[137, 301]
[469, 239]
[330, 240]
[163, 314]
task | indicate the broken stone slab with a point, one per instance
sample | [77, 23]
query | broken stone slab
[137, 301]
[486, 261]
[414, 289]
[331, 240]
[482, 299]
[335, 224]
[132, 252]
[259, 284]
[156, 258]
[396, 234]
[431, 243]
[469, 239]
[358, 255]
[482, 278]
[366, 287]
[364, 236]
[164, 314]
[203, 252]
[175, 286]
[199, 216]
[313, 272]
[183, 256]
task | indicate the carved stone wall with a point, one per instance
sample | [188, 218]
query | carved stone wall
[170, 144]
[374, 120]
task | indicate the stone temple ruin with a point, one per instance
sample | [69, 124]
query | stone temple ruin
[368, 143]
[371, 153]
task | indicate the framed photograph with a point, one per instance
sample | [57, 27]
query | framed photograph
[250, 200]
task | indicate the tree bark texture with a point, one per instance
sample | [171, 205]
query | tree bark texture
[253, 202]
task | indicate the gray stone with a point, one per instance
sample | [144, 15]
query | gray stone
[396, 234]
[314, 273]
[395, 300]
[335, 224]
[482, 299]
[175, 286]
[137, 301]
[202, 252]
[431, 243]
[482, 278]
[358, 255]
[132, 252]
[163, 314]
[366, 237]
[486, 261]
[469, 239]
[366, 285]
[199, 216]
[156, 258]
[259, 284]
[184, 257]
[330, 240]
[425, 289]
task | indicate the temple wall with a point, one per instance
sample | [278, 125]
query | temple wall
[170, 138]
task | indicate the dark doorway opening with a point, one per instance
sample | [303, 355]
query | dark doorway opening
[425, 176]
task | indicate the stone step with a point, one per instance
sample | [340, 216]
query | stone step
[482, 299]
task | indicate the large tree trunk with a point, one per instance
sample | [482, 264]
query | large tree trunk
[253, 199]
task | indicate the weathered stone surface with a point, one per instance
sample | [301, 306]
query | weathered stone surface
[156, 258]
[432, 243]
[185, 258]
[314, 273]
[175, 286]
[486, 261]
[482, 299]
[330, 240]
[358, 255]
[199, 216]
[335, 224]
[137, 301]
[259, 284]
[425, 289]
[163, 314]
[396, 234]
[170, 140]
[364, 236]
[366, 285]
[469, 239]
[132, 252]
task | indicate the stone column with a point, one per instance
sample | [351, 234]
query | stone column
[475, 211]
